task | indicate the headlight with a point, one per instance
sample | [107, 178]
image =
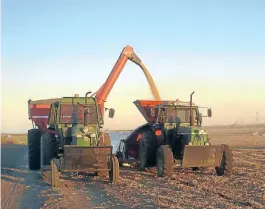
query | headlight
[207, 143]
[190, 143]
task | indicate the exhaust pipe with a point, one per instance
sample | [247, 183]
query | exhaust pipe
[191, 111]
[86, 110]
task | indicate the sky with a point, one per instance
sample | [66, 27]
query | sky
[59, 48]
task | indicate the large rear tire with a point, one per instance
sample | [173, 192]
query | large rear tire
[143, 152]
[164, 161]
[147, 150]
[227, 163]
[34, 136]
[48, 148]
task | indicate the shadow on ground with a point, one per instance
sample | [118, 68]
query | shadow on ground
[15, 174]
[93, 186]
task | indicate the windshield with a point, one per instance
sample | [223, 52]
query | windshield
[74, 113]
[182, 113]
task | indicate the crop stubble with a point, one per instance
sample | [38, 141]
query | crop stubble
[187, 189]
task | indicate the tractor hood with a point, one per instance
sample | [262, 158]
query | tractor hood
[193, 135]
[144, 106]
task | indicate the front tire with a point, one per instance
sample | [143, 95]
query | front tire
[165, 161]
[114, 173]
[34, 136]
[227, 163]
[55, 178]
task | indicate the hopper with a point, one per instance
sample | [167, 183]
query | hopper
[146, 107]
[39, 110]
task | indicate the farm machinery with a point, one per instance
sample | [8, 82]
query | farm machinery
[68, 135]
[173, 137]
[73, 142]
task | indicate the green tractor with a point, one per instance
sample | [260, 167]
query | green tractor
[69, 138]
[173, 137]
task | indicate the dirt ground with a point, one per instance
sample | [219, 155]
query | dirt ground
[24, 189]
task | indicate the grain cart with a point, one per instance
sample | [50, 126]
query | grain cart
[67, 132]
[173, 137]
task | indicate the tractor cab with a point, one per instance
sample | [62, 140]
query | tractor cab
[185, 120]
[171, 115]
[77, 120]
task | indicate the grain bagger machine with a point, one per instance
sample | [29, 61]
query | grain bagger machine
[68, 135]
[173, 137]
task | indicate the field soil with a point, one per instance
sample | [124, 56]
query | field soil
[24, 189]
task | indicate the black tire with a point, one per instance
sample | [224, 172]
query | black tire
[147, 150]
[119, 155]
[120, 162]
[48, 148]
[34, 136]
[164, 161]
[175, 142]
[114, 173]
[143, 152]
[227, 163]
